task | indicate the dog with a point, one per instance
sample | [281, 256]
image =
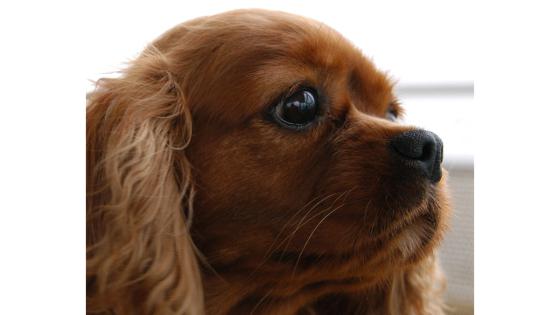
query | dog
[254, 162]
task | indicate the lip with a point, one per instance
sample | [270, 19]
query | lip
[425, 213]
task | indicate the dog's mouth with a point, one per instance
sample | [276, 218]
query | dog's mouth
[362, 267]
[416, 229]
[404, 238]
[364, 264]
[337, 241]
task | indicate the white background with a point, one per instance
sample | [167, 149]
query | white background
[415, 43]
[48, 47]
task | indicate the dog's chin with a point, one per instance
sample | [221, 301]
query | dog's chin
[406, 234]
[414, 240]
[416, 236]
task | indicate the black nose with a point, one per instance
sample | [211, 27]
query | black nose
[421, 150]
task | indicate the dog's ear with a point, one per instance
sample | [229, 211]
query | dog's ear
[140, 256]
[418, 290]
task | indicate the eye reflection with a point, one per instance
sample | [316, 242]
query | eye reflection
[298, 109]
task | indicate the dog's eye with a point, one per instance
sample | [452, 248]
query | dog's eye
[297, 110]
[391, 115]
[394, 111]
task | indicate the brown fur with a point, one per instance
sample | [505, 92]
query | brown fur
[198, 203]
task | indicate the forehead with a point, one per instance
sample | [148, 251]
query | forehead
[257, 56]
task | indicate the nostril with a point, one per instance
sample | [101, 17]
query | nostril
[428, 151]
[415, 145]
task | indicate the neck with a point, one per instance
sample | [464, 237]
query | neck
[415, 290]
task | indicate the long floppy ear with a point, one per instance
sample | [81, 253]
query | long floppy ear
[418, 290]
[140, 256]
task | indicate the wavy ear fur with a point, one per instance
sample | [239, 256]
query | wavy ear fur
[140, 256]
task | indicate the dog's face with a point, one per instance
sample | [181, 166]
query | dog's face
[278, 142]
[296, 156]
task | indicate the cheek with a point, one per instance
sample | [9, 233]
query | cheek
[256, 175]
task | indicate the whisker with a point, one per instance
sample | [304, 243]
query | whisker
[301, 223]
[317, 226]
[311, 234]
[273, 246]
[260, 301]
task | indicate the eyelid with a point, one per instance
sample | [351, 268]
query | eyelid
[396, 108]
[300, 86]
[294, 88]
[395, 111]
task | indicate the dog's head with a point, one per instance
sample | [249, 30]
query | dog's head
[270, 143]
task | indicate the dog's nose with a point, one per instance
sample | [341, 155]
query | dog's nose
[421, 150]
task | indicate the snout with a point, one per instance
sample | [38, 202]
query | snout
[421, 151]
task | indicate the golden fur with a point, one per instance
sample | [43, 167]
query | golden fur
[199, 203]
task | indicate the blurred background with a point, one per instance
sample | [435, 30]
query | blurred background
[427, 49]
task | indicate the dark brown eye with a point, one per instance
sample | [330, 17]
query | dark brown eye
[297, 110]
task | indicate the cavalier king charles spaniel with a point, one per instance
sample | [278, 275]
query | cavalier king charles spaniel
[253, 162]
